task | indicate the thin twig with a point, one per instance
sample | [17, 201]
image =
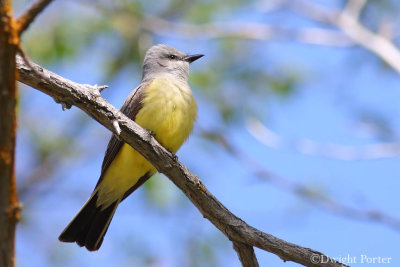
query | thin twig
[23, 22]
[313, 148]
[242, 30]
[239, 30]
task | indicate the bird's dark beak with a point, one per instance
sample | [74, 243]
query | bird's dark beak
[191, 58]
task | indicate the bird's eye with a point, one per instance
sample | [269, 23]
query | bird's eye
[172, 57]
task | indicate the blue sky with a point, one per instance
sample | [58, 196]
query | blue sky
[336, 84]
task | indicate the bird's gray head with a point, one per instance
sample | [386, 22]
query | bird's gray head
[163, 60]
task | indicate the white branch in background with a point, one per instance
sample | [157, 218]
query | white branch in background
[347, 20]
[314, 196]
[245, 30]
[238, 29]
[354, 8]
[309, 147]
[349, 30]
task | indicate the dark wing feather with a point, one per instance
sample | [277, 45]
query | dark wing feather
[130, 108]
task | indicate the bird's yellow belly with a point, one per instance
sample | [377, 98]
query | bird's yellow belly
[169, 112]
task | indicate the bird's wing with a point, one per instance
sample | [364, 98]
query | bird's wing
[130, 108]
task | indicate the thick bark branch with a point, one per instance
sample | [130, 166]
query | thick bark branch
[9, 208]
[89, 100]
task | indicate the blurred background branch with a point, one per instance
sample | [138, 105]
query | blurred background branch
[23, 21]
[243, 30]
[347, 20]
[315, 196]
[312, 148]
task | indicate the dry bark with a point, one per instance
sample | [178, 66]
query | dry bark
[9, 207]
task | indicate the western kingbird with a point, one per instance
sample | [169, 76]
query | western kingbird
[163, 104]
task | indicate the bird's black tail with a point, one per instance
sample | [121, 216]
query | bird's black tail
[90, 224]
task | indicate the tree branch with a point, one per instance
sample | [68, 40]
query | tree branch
[9, 206]
[23, 22]
[313, 148]
[239, 30]
[246, 254]
[250, 31]
[348, 22]
[354, 8]
[350, 30]
[89, 100]
[314, 197]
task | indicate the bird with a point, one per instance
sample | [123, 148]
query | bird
[164, 105]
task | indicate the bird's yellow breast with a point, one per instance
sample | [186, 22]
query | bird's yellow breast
[169, 111]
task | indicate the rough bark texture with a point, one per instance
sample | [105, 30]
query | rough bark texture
[9, 208]
[88, 99]
[246, 254]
